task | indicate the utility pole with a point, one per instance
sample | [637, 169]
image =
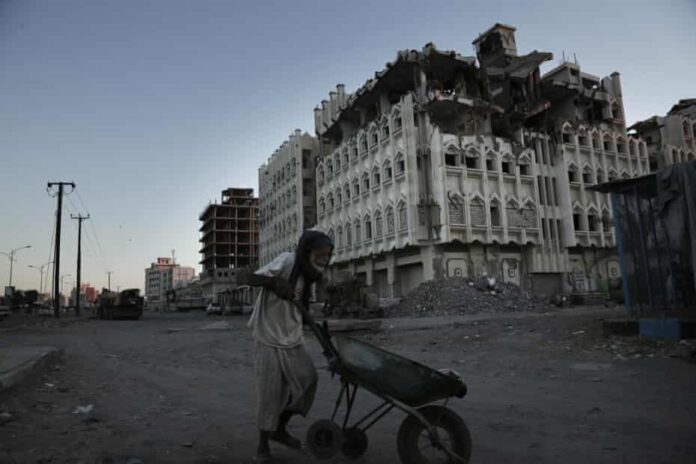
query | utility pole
[56, 262]
[79, 259]
[109, 274]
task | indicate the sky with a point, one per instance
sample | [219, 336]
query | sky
[153, 107]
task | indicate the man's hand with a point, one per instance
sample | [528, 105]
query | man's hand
[283, 289]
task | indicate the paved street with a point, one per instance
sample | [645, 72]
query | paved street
[542, 388]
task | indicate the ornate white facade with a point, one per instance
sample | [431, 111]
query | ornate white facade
[287, 195]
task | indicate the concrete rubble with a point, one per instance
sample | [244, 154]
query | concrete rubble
[455, 296]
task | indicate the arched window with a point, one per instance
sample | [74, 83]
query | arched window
[337, 162]
[365, 183]
[339, 244]
[472, 159]
[478, 211]
[567, 134]
[387, 171]
[600, 176]
[354, 154]
[358, 232]
[329, 168]
[587, 177]
[583, 140]
[400, 164]
[578, 218]
[621, 145]
[607, 223]
[403, 216]
[385, 129]
[596, 141]
[378, 225]
[398, 123]
[452, 157]
[376, 177]
[374, 137]
[330, 201]
[349, 235]
[390, 220]
[362, 141]
[608, 143]
[491, 162]
[356, 189]
[322, 205]
[524, 162]
[456, 209]
[346, 192]
[368, 228]
[506, 164]
[331, 234]
[593, 222]
[346, 158]
[339, 197]
[494, 208]
[320, 174]
[573, 173]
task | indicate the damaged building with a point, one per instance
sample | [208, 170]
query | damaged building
[447, 165]
[670, 138]
[287, 203]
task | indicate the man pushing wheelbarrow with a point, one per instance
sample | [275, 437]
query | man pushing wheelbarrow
[287, 378]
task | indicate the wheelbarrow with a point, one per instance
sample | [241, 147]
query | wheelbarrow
[430, 433]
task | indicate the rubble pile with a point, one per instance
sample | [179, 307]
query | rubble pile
[458, 295]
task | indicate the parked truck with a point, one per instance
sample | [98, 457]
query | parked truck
[127, 304]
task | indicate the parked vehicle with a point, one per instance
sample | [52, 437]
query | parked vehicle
[127, 304]
[4, 309]
[213, 308]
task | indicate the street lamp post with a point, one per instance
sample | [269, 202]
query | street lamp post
[41, 269]
[61, 283]
[11, 256]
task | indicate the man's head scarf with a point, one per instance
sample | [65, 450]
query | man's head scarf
[310, 240]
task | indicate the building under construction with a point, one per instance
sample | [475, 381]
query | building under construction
[229, 239]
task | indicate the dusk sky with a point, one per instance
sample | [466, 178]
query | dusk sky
[154, 107]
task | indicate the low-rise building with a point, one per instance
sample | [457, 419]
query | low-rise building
[163, 276]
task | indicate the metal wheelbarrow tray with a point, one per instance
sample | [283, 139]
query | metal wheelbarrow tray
[430, 433]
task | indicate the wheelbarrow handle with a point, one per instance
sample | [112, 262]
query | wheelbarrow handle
[321, 332]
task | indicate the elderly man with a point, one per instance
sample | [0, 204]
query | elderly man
[286, 376]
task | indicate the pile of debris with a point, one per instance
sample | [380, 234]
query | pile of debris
[458, 295]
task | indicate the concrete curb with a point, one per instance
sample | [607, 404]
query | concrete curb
[26, 369]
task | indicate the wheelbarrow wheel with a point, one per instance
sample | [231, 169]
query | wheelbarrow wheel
[416, 447]
[354, 443]
[324, 439]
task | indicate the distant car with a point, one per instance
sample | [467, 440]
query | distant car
[213, 308]
[44, 311]
[4, 311]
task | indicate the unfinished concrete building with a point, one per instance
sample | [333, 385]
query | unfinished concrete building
[287, 195]
[671, 138]
[440, 167]
[229, 239]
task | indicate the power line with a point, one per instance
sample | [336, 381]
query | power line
[91, 224]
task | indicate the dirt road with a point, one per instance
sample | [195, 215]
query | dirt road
[541, 389]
